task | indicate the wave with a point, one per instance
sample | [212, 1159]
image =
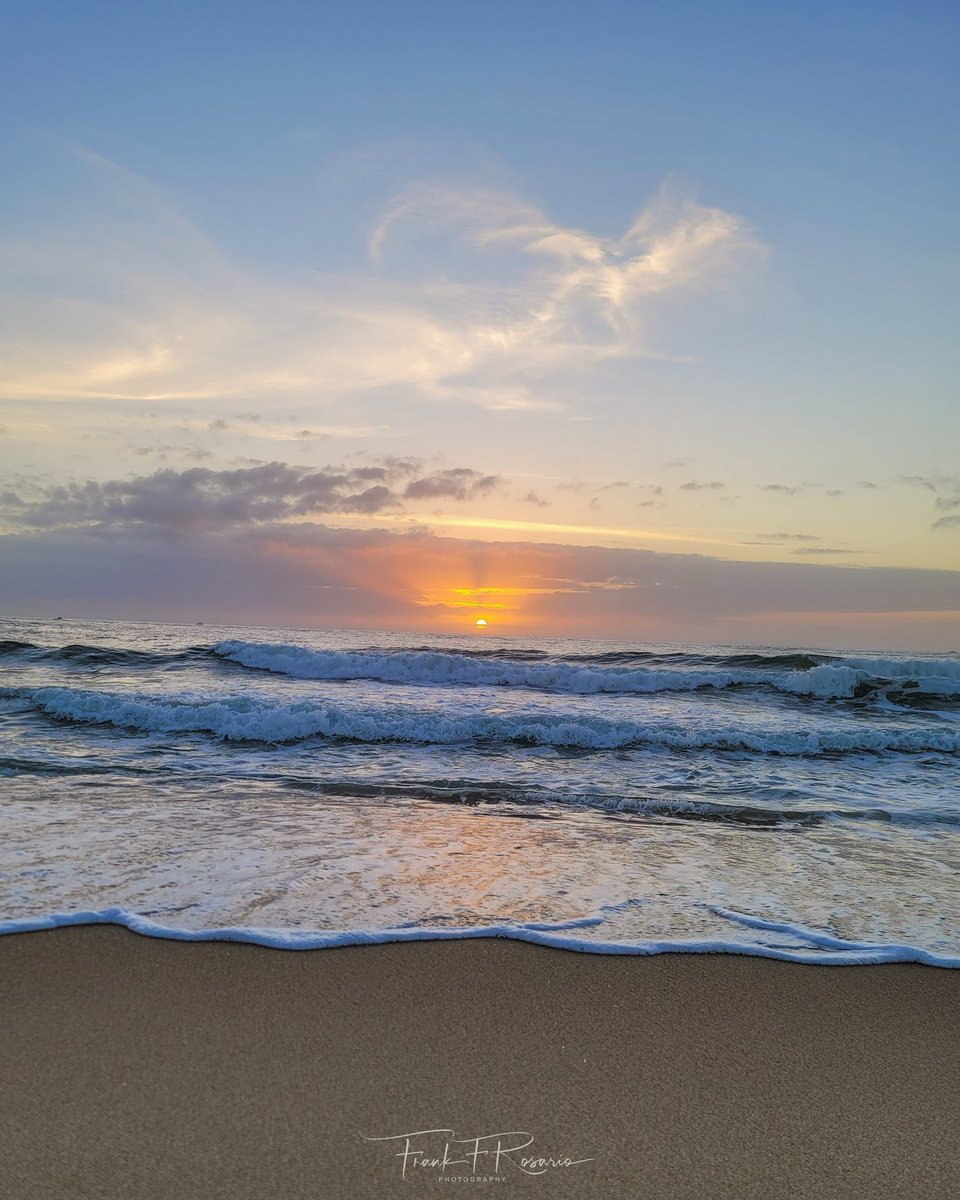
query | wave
[541, 801]
[545, 803]
[614, 658]
[12, 646]
[14, 765]
[915, 683]
[815, 945]
[78, 654]
[625, 658]
[507, 798]
[261, 719]
[794, 674]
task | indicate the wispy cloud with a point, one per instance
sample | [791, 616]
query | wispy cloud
[131, 300]
[945, 490]
[927, 483]
[786, 537]
[783, 488]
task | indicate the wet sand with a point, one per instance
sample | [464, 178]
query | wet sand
[134, 1068]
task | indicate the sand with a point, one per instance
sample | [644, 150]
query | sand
[135, 1068]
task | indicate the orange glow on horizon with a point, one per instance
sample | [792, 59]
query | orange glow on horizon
[443, 584]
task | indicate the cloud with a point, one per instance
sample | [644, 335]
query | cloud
[457, 483]
[128, 299]
[162, 451]
[614, 485]
[693, 486]
[307, 573]
[927, 483]
[204, 498]
[823, 551]
[944, 490]
[673, 242]
[786, 537]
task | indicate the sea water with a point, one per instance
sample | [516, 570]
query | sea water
[310, 788]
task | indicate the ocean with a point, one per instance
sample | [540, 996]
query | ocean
[308, 788]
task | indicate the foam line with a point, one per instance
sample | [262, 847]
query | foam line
[853, 955]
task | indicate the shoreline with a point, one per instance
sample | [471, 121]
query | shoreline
[825, 950]
[136, 1066]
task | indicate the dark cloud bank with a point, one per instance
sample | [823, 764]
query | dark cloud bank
[242, 546]
[201, 498]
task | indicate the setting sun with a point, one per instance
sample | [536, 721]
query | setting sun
[481, 623]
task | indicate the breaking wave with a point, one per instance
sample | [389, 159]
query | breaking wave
[260, 719]
[916, 683]
[798, 675]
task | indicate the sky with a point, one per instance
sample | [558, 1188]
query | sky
[627, 320]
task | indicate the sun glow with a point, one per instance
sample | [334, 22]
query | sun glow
[481, 623]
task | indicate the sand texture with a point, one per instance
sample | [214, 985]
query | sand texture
[134, 1068]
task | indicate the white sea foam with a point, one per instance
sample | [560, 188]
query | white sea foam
[826, 681]
[251, 718]
[910, 668]
[820, 948]
[437, 668]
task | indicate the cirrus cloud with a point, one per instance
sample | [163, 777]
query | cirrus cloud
[129, 300]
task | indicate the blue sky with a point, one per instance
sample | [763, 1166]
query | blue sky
[411, 230]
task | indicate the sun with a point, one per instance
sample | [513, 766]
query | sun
[481, 623]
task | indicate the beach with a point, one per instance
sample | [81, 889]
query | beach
[140, 1067]
[479, 601]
